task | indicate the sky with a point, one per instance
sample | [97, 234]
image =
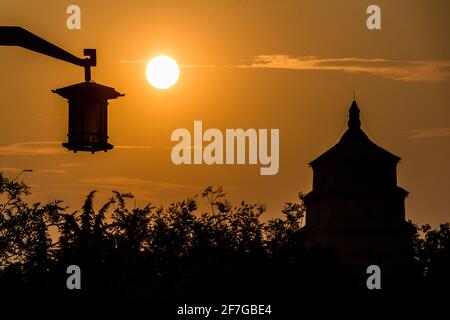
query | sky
[291, 65]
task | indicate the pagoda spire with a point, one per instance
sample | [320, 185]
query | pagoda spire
[353, 119]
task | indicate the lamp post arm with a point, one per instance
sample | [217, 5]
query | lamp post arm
[17, 36]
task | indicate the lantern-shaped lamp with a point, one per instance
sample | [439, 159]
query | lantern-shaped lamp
[88, 116]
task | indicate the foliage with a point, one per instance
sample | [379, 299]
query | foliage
[176, 252]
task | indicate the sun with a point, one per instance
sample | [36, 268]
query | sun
[162, 72]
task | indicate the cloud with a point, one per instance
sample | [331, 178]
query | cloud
[119, 183]
[54, 147]
[402, 70]
[430, 133]
[142, 188]
[208, 66]
[130, 147]
[32, 148]
[70, 165]
[143, 61]
[56, 171]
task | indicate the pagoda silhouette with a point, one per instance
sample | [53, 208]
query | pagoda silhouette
[355, 206]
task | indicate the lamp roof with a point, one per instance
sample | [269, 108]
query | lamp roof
[88, 91]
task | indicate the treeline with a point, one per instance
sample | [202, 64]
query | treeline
[179, 253]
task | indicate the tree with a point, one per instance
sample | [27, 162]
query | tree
[180, 252]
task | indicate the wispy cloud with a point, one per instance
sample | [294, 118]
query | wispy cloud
[131, 147]
[54, 147]
[209, 66]
[70, 165]
[430, 133]
[32, 148]
[53, 171]
[402, 70]
[143, 61]
[150, 189]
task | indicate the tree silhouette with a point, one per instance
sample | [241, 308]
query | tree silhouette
[180, 253]
[432, 251]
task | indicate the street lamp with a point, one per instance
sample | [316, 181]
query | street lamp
[88, 101]
[88, 116]
[20, 173]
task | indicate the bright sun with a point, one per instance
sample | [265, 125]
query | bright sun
[162, 72]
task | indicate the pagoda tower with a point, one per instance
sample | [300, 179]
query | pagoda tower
[355, 205]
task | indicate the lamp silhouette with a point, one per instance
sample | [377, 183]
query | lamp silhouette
[88, 101]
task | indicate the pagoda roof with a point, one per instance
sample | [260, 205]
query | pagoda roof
[354, 144]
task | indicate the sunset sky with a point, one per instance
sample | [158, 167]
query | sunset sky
[291, 65]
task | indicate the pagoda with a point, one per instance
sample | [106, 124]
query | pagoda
[355, 206]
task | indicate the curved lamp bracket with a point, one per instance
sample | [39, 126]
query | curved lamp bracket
[17, 36]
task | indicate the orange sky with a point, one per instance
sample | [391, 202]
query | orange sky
[290, 65]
